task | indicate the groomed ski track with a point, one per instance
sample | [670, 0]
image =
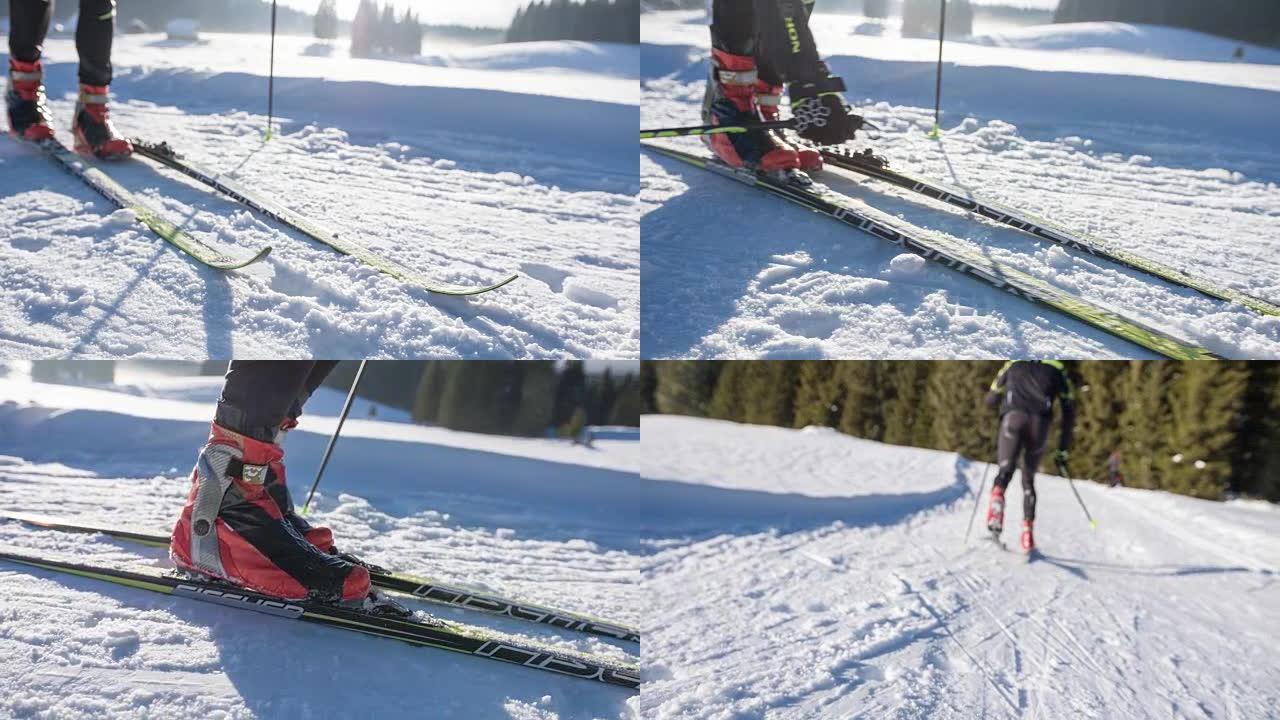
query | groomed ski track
[808, 574]
[1166, 155]
[501, 514]
[432, 167]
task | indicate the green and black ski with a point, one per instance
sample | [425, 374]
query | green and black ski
[425, 632]
[165, 155]
[123, 198]
[955, 255]
[423, 588]
[865, 163]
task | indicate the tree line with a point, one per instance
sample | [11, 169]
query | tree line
[221, 16]
[587, 20]
[500, 397]
[375, 31]
[1163, 416]
[1255, 21]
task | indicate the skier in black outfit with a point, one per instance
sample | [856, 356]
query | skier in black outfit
[1025, 390]
[25, 99]
[757, 47]
[239, 524]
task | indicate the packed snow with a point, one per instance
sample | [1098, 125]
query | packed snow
[1153, 139]
[805, 574]
[465, 165]
[524, 518]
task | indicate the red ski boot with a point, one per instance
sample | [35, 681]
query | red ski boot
[995, 511]
[731, 100]
[95, 135]
[232, 529]
[1028, 540]
[769, 98]
[25, 101]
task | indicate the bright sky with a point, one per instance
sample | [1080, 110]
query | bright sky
[479, 13]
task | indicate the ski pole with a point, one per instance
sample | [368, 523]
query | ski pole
[271, 75]
[693, 130]
[977, 500]
[346, 408]
[1062, 468]
[717, 129]
[937, 94]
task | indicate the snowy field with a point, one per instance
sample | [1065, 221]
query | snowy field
[530, 519]
[1149, 138]
[464, 165]
[808, 574]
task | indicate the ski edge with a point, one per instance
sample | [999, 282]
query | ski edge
[427, 589]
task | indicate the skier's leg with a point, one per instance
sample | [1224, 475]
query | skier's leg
[321, 537]
[785, 40]
[231, 528]
[25, 103]
[730, 97]
[259, 395]
[1036, 437]
[320, 370]
[94, 34]
[769, 90]
[92, 127]
[1007, 446]
[28, 25]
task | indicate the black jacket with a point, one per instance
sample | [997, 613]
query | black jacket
[1031, 386]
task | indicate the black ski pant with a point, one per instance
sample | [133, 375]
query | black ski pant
[259, 395]
[29, 24]
[774, 32]
[1022, 435]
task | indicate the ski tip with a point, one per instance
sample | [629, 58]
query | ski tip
[229, 263]
[458, 291]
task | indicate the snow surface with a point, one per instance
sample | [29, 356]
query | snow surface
[1163, 152]
[532, 519]
[463, 166]
[810, 574]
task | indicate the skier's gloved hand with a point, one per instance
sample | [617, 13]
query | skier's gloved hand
[820, 112]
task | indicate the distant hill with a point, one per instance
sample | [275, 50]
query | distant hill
[1255, 21]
